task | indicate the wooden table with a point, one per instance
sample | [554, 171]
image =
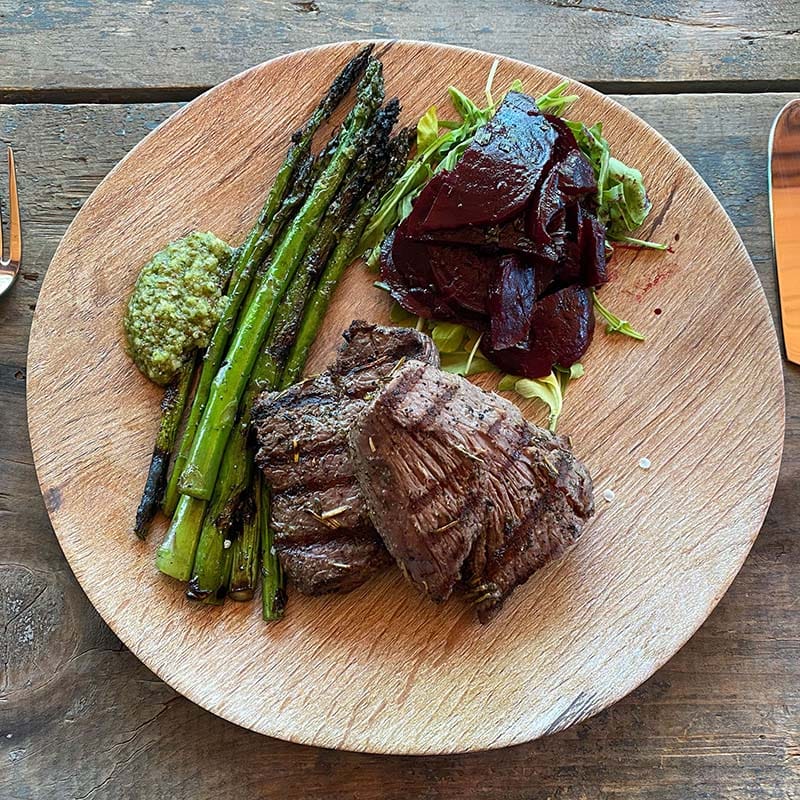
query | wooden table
[80, 717]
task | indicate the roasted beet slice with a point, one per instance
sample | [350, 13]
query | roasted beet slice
[569, 182]
[437, 281]
[412, 224]
[511, 303]
[508, 242]
[408, 277]
[561, 330]
[499, 172]
[510, 236]
[592, 240]
[576, 173]
[463, 275]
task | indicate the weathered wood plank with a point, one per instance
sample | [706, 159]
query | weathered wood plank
[86, 719]
[186, 44]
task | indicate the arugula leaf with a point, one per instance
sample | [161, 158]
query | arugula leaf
[554, 101]
[613, 323]
[399, 316]
[448, 336]
[427, 129]
[507, 383]
[487, 92]
[565, 375]
[550, 389]
[466, 108]
[461, 364]
[641, 243]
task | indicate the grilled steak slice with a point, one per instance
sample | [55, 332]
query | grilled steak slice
[461, 487]
[323, 534]
[372, 353]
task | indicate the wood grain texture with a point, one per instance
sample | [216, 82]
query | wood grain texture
[70, 45]
[720, 720]
[381, 670]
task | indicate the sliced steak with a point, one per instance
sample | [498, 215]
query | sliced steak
[372, 353]
[323, 535]
[462, 488]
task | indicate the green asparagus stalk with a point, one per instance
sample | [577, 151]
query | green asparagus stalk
[218, 598]
[249, 256]
[172, 407]
[273, 591]
[200, 473]
[343, 255]
[175, 556]
[244, 568]
[214, 556]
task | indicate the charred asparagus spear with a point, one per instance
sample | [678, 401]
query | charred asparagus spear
[172, 407]
[200, 473]
[342, 257]
[176, 554]
[244, 563]
[273, 589]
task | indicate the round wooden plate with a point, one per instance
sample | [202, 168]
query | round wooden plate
[381, 669]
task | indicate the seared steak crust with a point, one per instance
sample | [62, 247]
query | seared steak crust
[462, 488]
[323, 534]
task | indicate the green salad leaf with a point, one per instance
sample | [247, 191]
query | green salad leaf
[613, 323]
[550, 389]
[427, 129]
[448, 336]
[553, 102]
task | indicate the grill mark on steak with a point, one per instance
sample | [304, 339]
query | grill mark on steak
[302, 433]
[461, 487]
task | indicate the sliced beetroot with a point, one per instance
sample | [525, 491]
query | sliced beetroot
[408, 277]
[509, 236]
[593, 251]
[463, 275]
[499, 171]
[562, 325]
[507, 243]
[433, 283]
[511, 303]
[576, 173]
[422, 205]
[568, 183]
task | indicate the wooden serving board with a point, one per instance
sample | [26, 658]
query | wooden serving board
[381, 669]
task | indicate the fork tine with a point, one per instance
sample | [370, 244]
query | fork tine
[15, 250]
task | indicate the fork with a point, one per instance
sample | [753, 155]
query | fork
[9, 267]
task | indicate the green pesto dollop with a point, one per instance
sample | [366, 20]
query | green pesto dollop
[176, 303]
